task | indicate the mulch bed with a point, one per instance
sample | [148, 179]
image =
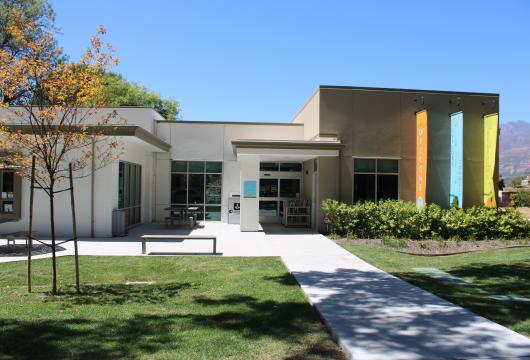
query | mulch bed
[438, 247]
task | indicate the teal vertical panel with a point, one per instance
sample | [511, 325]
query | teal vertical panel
[456, 191]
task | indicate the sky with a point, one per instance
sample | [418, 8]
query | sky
[255, 60]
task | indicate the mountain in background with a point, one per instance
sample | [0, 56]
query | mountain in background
[514, 145]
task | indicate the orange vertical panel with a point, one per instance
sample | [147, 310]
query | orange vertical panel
[421, 157]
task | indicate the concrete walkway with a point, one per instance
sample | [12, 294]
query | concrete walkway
[372, 315]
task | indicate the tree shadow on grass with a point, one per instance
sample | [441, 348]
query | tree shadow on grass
[119, 294]
[85, 339]
[142, 335]
[254, 318]
[490, 279]
[499, 278]
[287, 321]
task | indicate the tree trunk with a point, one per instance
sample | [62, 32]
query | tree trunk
[52, 226]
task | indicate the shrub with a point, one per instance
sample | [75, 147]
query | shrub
[398, 219]
[521, 198]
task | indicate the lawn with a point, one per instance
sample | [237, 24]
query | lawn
[502, 272]
[198, 308]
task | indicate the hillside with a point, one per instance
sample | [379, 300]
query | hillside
[514, 149]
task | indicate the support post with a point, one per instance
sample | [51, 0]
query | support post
[30, 230]
[74, 229]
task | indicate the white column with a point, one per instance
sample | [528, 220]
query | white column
[249, 171]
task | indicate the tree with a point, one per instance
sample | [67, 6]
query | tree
[42, 16]
[52, 122]
[117, 91]
[516, 181]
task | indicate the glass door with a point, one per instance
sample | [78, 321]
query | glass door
[278, 182]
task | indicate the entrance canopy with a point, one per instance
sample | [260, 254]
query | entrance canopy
[299, 150]
[251, 152]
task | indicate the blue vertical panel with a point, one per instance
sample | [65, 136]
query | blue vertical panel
[456, 191]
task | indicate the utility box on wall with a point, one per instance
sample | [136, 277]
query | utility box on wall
[234, 209]
[119, 222]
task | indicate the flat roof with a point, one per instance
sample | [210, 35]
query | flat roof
[228, 122]
[111, 130]
[365, 88]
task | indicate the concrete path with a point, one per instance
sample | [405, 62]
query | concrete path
[372, 315]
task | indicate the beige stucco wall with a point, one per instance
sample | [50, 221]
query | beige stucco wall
[309, 115]
[382, 123]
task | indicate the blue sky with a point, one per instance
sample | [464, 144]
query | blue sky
[260, 60]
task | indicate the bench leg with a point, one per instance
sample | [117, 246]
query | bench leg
[143, 247]
[214, 246]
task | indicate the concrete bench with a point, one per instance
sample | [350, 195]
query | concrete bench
[177, 238]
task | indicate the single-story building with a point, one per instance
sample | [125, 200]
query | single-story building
[346, 143]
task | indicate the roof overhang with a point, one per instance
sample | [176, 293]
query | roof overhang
[287, 149]
[138, 133]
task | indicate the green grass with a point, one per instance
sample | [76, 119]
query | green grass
[199, 308]
[504, 272]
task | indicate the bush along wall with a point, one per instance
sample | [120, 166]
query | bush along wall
[403, 220]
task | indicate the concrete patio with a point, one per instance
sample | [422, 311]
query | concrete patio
[372, 315]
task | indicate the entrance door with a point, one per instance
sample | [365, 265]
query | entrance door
[278, 182]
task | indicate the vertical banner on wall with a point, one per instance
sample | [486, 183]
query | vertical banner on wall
[491, 128]
[421, 157]
[456, 189]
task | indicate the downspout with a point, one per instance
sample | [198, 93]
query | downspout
[92, 187]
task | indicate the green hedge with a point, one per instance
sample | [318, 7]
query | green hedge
[521, 198]
[403, 220]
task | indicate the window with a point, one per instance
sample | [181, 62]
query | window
[289, 188]
[198, 183]
[375, 179]
[130, 191]
[268, 187]
[293, 167]
[268, 208]
[268, 166]
[7, 185]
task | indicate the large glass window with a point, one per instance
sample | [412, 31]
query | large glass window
[198, 183]
[130, 191]
[375, 179]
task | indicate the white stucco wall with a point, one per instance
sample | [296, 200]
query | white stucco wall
[105, 199]
[211, 142]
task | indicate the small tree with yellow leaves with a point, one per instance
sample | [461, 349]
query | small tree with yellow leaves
[55, 118]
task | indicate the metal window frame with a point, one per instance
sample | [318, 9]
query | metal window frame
[13, 200]
[375, 173]
[204, 173]
[132, 199]
[279, 175]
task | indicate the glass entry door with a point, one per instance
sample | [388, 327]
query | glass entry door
[278, 182]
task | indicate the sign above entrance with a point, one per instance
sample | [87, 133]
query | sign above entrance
[249, 189]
